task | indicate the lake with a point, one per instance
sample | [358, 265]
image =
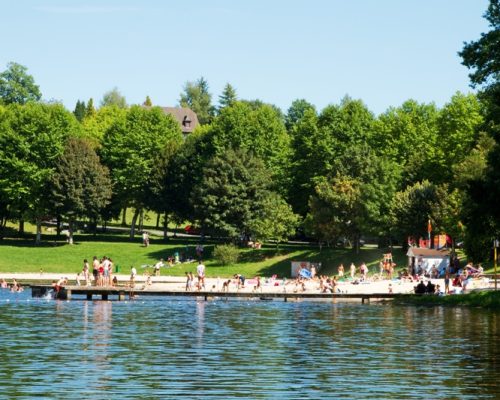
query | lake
[166, 348]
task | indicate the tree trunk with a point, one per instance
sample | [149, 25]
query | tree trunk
[158, 220]
[94, 226]
[356, 243]
[134, 221]
[21, 226]
[58, 226]
[38, 239]
[141, 220]
[70, 231]
[124, 216]
[165, 226]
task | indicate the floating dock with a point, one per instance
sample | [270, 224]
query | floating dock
[121, 293]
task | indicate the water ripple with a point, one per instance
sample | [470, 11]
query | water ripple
[166, 348]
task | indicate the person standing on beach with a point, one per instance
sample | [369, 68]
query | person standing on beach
[353, 270]
[189, 284]
[341, 270]
[95, 269]
[363, 269]
[200, 270]
[85, 272]
[133, 274]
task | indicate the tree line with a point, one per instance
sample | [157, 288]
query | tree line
[252, 170]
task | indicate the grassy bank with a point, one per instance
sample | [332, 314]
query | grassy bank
[21, 255]
[486, 299]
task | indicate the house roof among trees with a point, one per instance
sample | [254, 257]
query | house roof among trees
[186, 117]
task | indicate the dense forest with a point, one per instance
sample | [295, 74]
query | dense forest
[252, 169]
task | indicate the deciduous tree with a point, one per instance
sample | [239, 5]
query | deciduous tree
[80, 186]
[131, 147]
[17, 86]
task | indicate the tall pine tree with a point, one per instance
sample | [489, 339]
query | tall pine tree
[80, 110]
[227, 97]
[90, 110]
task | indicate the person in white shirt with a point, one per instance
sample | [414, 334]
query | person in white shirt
[200, 270]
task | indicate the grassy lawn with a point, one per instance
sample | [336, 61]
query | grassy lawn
[21, 255]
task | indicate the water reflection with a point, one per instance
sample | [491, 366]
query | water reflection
[171, 348]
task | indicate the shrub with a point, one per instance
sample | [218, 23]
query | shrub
[226, 254]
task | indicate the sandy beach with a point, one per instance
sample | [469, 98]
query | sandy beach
[268, 285]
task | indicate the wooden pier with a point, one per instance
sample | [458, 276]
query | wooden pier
[121, 293]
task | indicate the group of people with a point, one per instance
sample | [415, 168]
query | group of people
[386, 269]
[101, 274]
[15, 286]
[430, 288]
[190, 280]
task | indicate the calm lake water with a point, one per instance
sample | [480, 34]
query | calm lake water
[167, 348]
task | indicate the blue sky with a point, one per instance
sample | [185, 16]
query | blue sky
[381, 51]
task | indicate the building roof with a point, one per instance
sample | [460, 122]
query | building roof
[186, 117]
[423, 252]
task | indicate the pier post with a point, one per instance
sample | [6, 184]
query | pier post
[104, 296]
[284, 299]
[121, 296]
[68, 294]
[89, 296]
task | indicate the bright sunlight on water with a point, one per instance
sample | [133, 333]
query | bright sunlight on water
[167, 348]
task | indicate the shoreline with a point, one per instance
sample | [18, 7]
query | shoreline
[268, 285]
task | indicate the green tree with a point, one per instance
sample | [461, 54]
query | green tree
[17, 86]
[481, 211]
[412, 208]
[131, 147]
[95, 125]
[458, 125]
[408, 135]
[31, 140]
[297, 111]
[90, 110]
[475, 164]
[231, 193]
[332, 208]
[227, 97]
[482, 55]
[256, 129]
[161, 196]
[184, 173]
[80, 186]
[197, 97]
[79, 110]
[275, 220]
[114, 98]
[148, 102]
[317, 141]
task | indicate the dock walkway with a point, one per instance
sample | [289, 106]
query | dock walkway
[122, 292]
